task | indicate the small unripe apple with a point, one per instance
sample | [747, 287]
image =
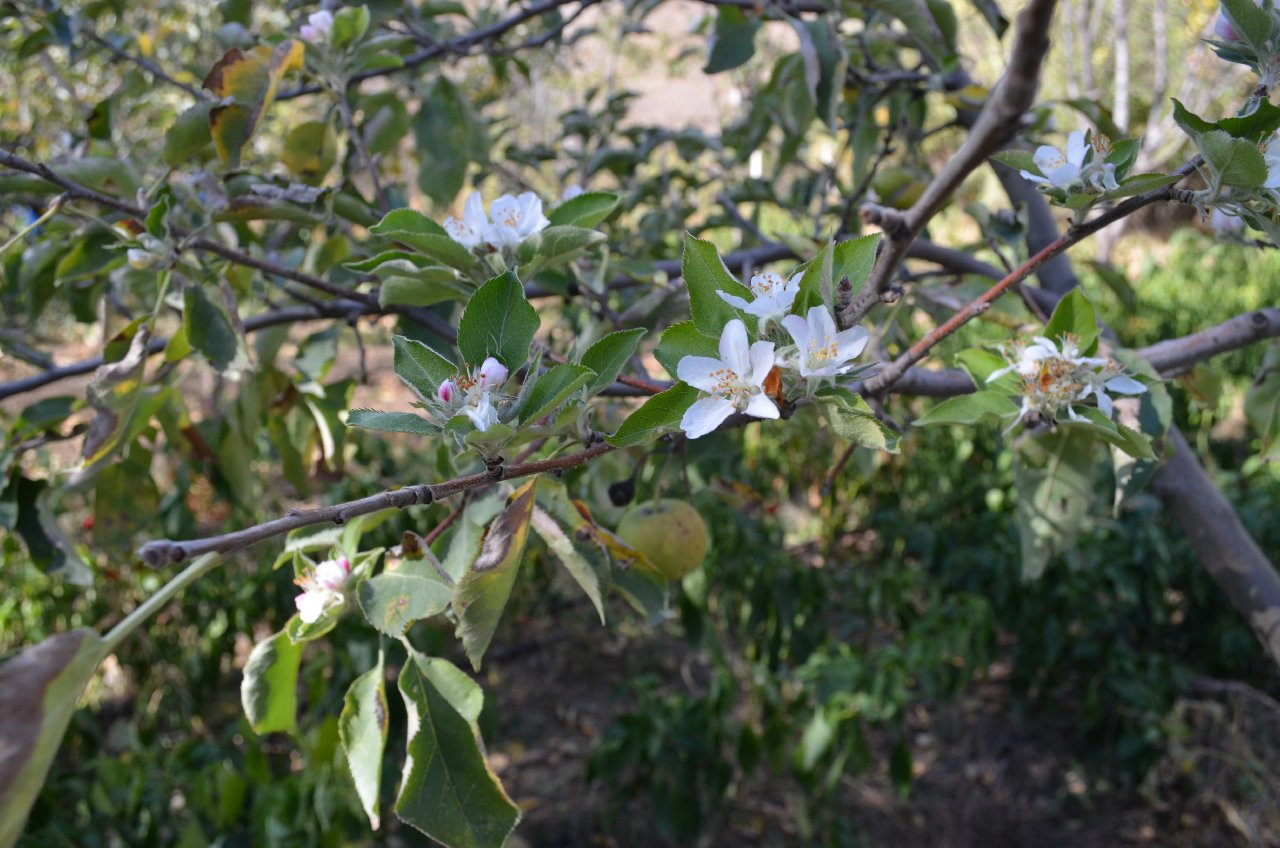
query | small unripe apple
[898, 186]
[670, 533]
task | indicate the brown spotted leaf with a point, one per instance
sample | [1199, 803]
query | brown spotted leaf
[482, 593]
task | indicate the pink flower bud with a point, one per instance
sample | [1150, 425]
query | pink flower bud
[448, 391]
[492, 373]
[345, 563]
[1222, 28]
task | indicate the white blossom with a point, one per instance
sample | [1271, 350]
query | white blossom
[317, 27]
[734, 382]
[321, 588]
[821, 350]
[1056, 377]
[773, 296]
[472, 394]
[1070, 170]
[1271, 153]
[510, 221]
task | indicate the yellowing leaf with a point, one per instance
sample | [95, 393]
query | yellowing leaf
[247, 82]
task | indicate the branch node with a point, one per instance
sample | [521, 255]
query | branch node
[893, 222]
[892, 294]
[497, 470]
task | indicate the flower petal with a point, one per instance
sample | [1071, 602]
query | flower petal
[1076, 147]
[799, 330]
[701, 372]
[851, 342]
[705, 416]
[1125, 385]
[735, 301]
[311, 606]
[761, 356]
[733, 347]
[761, 407]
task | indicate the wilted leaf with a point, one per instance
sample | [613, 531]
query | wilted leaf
[362, 728]
[269, 689]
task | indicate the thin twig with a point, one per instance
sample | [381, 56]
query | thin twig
[146, 64]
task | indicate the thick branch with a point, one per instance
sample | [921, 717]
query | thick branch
[1221, 541]
[999, 118]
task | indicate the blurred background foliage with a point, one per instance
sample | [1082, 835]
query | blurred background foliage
[844, 638]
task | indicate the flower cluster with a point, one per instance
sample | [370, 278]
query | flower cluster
[473, 395]
[1082, 167]
[1056, 377]
[737, 380]
[321, 589]
[510, 220]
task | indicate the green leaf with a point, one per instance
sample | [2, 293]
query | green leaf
[990, 10]
[38, 692]
[1054, 478]
[705, 274]
[681, 340]
[426, 287]
[609, 355]
[733, 41]
[981, 364]
[1262, 402]
[349, 26]
[455, 685]
[1019, 160]
[1258, 124]
[658, 415]
[971, 409]
[498, 321]
[1113, 433]
[920, 23]
[1236, 162]
[1115, 279]
[269, 691]
[310, 149]
[425, 236]
[449, 137]
[1250, 22]
[188, 136]
[420, 367]
[851, 418]
[585, 210]
[208, 328]
[392, 422]
[392, 601]
[575, 541]
[1139, 183]
[553, 388]
[817, 286]
[448, 790]
[482, 593]
[1075, 315]
[854, 259]
[362, 729]
[1191, 123]
[556, 244]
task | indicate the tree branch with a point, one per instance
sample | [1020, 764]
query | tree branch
[1220, 540]
[1013, 95]
[161, 551]
[146, 64]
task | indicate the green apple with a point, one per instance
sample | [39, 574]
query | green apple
[670, 533]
